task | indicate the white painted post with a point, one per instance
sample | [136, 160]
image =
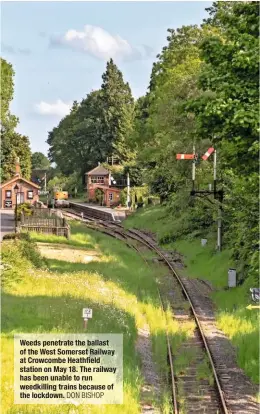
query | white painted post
[219, 231]
[128, 191]
[219, 236]
[193, 170]
[215, 173]
[45, 184]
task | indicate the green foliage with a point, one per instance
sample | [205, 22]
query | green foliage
[13, 144]
[204, 90]
[139, 195]
[99, 196]
[18, 236]
[40, 161]
[25, 208]
[117, 111]
[228, 111]
[231, 72]
[18, 258]
[96, 127]
[162, 126]
[123, 197]
[7, 90]
[64, 183]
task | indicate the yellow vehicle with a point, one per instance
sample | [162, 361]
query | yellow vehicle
[58, 198]
[60, 195]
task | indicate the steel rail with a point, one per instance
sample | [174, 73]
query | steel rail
[110, 226]
[155, 248]
[143, 239]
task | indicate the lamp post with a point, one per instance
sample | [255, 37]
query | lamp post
[16, 188]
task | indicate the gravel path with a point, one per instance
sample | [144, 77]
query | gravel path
[151, 388]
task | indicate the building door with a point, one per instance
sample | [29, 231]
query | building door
[20, 198]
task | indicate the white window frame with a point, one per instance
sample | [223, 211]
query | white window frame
[110, 196]
[30, 192]
[99, 179]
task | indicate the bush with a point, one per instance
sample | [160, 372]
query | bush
[139, 195]
[26, 208]
[99, 196]
[153, 200]
[123, 197]
[16, 236]
[19, 256]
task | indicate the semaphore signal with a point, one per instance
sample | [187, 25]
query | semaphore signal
[185, 156]
[208, 153]
[217, 194]
[194, 156]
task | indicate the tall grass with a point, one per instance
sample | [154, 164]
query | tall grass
[238, 323]
[120, 289]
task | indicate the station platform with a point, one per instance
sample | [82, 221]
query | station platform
[119, 215]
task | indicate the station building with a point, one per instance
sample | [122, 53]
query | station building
[100, 179]
[27, 191]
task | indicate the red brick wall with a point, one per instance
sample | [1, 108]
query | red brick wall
[24, 188]
[114, 191]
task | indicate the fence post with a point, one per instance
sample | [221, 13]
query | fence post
[68, 231]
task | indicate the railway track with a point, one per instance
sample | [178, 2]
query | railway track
[211, 397]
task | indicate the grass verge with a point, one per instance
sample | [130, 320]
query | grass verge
[238, 323]
[47, 296]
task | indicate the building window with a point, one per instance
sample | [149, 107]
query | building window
[110, 196]
[97, 179]
[30, 195]
[8, 194]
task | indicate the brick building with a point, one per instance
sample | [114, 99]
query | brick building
[100, 178]
[27, 191]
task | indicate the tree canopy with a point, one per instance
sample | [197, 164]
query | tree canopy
[40, 161]
[97, 127]
[13, 144]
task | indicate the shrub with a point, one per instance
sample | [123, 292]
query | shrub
[99, 196]
[26, 208]
[19, 256]
[123, 197]
[16, 236]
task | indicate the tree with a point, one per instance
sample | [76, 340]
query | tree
[162, 126]
[97, 127]
[117, 111]
[228, 112]
[13, 144]
[76, 143]
[6, 94]
[40, 161]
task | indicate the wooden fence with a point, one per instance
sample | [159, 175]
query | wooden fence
[47, 222]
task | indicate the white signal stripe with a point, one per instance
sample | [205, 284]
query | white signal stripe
[208, 153]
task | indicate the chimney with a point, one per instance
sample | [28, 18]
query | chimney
[17, 167]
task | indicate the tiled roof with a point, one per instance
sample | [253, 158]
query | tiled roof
[99, 170]
[19, 178]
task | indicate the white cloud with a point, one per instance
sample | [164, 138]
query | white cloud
[58, 108]
[99, 43]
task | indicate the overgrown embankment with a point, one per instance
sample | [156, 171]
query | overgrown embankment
[47, 296]
[238, 323]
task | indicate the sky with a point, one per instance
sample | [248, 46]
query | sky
[59, 51]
